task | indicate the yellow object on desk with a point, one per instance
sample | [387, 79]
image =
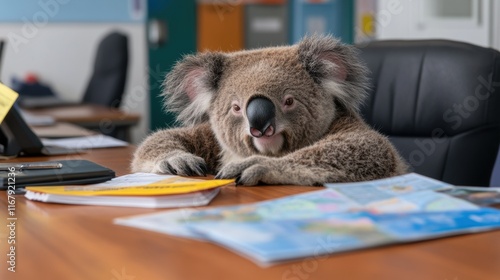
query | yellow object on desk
[165, 186]
[7, 99]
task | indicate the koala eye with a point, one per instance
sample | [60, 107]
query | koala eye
[236, 108]
[289, 101]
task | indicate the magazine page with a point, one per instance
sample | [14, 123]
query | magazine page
[267, 242]
[303, 206]
[338, 218]
[382, 189]
[308, 205]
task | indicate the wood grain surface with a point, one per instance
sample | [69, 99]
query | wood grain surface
[81, 242]
[88, 115]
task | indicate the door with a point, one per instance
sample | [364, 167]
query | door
[171, 34]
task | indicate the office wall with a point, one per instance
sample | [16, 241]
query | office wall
[444, 19]
[62, 55]
[61, 52]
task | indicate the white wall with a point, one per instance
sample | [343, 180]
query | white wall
[495, 32]
[407, 19]
[62, 55]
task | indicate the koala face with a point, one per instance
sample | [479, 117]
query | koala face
[268, 101]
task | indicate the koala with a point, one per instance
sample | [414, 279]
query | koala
[277, 115]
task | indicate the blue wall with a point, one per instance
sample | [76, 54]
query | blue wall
[72, 10]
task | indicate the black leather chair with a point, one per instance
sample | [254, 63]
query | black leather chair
[107, 84]
[439, 103]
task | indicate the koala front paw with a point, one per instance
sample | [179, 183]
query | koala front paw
[182, 163]
[251, 171]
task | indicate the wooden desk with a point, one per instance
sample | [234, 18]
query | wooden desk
[106, 120]
[61, 130]
[80, 242]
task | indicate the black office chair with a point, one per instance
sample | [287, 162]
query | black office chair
[439, 103]
[107, 84]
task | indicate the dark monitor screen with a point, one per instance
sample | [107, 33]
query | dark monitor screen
[16, 137]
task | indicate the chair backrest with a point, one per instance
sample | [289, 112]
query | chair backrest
[107, 84]
[439, 103]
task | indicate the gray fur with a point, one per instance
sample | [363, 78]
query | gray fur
[319, 138]
[175, 94]
[353, 88]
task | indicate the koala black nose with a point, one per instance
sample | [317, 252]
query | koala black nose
[261, 114]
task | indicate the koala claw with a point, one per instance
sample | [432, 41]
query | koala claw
[248, 172]
[184, 164]
[237, 182]
[254, 175]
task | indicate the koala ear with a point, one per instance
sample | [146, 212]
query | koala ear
[336, 67]
[191, 85]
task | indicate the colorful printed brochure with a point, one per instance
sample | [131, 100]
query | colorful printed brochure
[338, 218]
[267, 242]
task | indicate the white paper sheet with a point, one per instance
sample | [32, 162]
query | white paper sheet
[86, 142]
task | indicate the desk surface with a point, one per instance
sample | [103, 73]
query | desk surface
[80, 242]
[88, 115]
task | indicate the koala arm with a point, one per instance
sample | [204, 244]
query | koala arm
[355, 153]
[182, 151]
[349, 157]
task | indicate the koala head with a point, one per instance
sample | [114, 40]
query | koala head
[268, 101]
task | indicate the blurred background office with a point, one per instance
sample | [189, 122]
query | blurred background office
[57, 41]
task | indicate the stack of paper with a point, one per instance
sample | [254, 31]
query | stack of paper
[339, 218]
[134, 190]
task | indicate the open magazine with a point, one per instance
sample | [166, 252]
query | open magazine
[339, 218]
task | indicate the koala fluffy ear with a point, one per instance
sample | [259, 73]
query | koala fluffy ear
[336, 67]
[190, 86]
